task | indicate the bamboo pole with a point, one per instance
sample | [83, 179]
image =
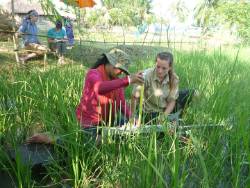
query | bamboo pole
[13, 28]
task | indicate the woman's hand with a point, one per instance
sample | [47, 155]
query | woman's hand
[136, 79]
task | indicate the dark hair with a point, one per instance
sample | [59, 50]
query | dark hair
[31, 12]
[103, 60]
[28, 14]
[167, 56]
[58, 24]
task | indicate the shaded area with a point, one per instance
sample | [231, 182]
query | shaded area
[33, 154]
[6, 181]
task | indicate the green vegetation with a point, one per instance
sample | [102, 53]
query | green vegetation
[35, 98]
[39, 97]
[230, 14]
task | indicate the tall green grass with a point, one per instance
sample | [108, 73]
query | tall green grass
[39, 101]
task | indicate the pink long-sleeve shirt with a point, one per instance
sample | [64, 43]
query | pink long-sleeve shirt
[96, 99]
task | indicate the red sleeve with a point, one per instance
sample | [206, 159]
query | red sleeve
[103, 87]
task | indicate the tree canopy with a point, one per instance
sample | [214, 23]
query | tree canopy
[231, 14]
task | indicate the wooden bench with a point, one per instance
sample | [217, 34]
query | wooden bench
[18, 51]
[25, 51]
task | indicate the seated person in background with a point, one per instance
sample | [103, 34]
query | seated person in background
[69, 31]
[161, 90]
[29, 30]
[57, 40]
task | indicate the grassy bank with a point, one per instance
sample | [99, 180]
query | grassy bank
[35, 99]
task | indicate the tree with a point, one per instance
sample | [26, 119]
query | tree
[204, 13]
[236, 14]
[227, 13]
[134, 12]
[180, 10]
[49, 8]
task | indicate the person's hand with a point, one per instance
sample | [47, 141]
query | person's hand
[136, 79]
[40, 138]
